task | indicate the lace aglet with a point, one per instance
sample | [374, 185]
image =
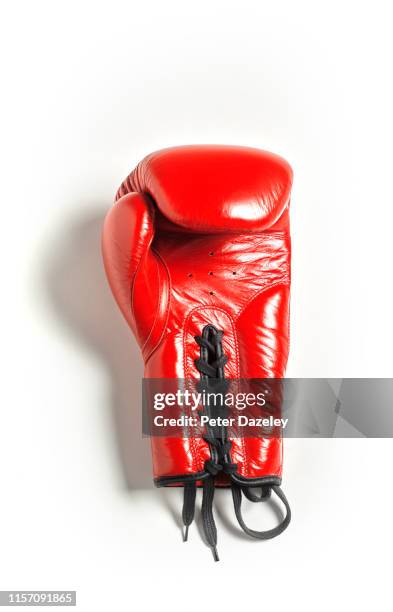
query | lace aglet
[185, 535]
[215, 554]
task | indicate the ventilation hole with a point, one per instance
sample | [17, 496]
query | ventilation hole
[210, 273]
[190, 275]
[211, 253]
[211, 292]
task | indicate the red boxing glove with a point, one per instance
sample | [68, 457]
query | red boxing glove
[197, 253]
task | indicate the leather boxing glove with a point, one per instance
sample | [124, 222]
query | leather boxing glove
[197, 253]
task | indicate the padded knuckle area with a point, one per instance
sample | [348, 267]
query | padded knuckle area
[213, 189]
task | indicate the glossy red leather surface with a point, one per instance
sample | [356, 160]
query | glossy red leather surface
[214, 188]
[201, 235]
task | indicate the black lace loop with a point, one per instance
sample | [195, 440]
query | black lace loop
[260, 535]
[266, 492]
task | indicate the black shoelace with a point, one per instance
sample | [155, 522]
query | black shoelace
[211, 367]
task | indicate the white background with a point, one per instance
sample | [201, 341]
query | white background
[88, 89]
